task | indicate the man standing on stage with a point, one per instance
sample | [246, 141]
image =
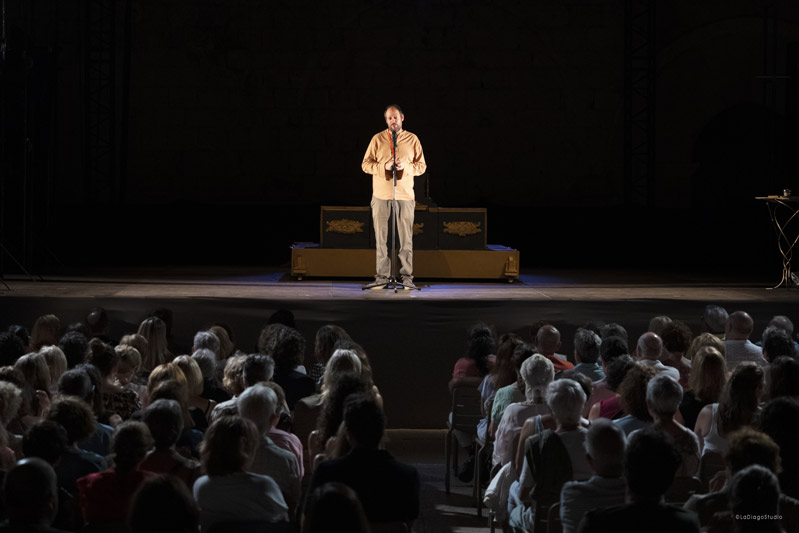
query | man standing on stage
[378, 162]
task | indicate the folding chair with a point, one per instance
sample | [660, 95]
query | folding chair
[465, 414]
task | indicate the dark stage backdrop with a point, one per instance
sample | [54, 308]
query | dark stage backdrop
[244, 117]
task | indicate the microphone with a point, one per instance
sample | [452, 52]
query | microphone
[394, 136]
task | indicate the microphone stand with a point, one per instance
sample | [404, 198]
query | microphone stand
[393, 282]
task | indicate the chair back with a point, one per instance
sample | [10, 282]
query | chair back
[466, 402]
[554, 525]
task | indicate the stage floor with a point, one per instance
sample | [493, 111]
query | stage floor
[413, 338]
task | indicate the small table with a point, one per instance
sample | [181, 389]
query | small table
[783, 210]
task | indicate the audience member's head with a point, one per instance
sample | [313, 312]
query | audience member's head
[777, 343]
[97, 322]
[566, 399]
[676, 337]
[649, 346]
[537, 373]
[584, 381]
[613, 330]
[154, 330]
[103, 356]
[46, 331]
[548, 340]
[334, 503]
[206, 340]
[632, 391]
[31, 493]
[780, 421]
[46, 440]
[747, 446]
[163, 504]
[194, 376]
[164, 418]
[714, 319]
[56, 361]
[233, 375]
[10, 402]
[289, 350]
[706, 339]
[617, 370]
[611, 348]
[782, 322]
[257, 367]
[165, 372]
[21, 332]
[738, 404]
[521, 353]
[345, 385]
[75, 346]
[229, 446]
[34, 367]
[739, 326]
[364, 421]
[226, 346]
[326, 338]
[650, 463]
[130, 443]
[259, 403]
[586, 346]
[11, 348]
[783, 378]
[97, 388]
[663, 397]
[657, 324]
[708, 374]
[76, 382]
[755, 492]
[74, 415]
[136, 341]
[604, 444]
[206, 360]
[128, 364]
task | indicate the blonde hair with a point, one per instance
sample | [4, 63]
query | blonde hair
[128, 356]
[137, 341]
[234, 370]
[34, 367]
[56, 362]
[705, 339]
[194, 377]
[226, 346]
[165, 372]
[708, 374]
[10, 402]
[154, 330]
[46, 331]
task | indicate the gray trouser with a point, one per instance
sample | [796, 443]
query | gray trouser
[381, 211]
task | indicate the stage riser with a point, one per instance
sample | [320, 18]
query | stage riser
[430, 264]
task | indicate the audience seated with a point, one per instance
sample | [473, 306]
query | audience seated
[780, 421]
[650, 462]
[163, 504]
[284, 439]
[537, 372]
[77, 383]
[255, 368]
[225, 335]
[206, 340]
[777, 343]
[288, 351]
[551, 458]
[31, 496]
[260, 405]
[500, 375]
[78, 420]
[738, 347]
[75, 345]
[10, 402]
[98, 325]
[154, 330]
[755, 493]
[610, 407]
[648, 352]
[738, 406]
[211, 370]
[611, 348]
[322, 439]
[117, 401]
[324, 343]
[105, 496]
[706, 381]
[782, 378]
[514, 392]
[199, 408]
[470, 369]
[632, 399]
[387, 489]
[663, 396]
[677, 338]
[548, 343]
[747, 447]
[586, 353]
[128, 367]
[604, 447]
[334, 503]
[46, 332]
[228, 493]
[11, 348]
[164, 419]
[714, 321]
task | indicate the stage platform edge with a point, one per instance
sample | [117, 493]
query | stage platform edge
[495, 262]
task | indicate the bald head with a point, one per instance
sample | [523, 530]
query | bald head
[30, 493]
[739, 326]
[547, 340]
[604, 444]
[649, 346]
